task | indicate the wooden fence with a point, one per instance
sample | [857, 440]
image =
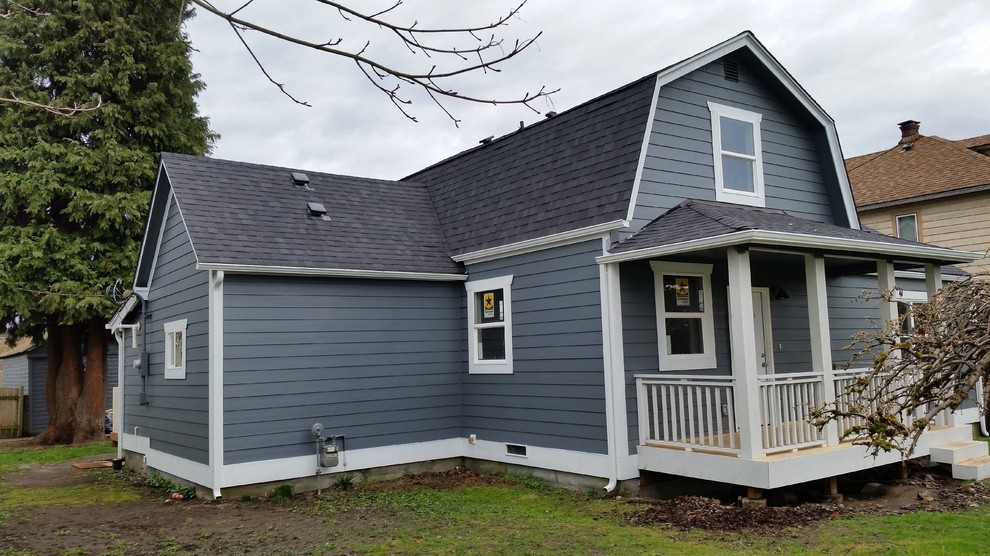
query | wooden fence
[11, 412]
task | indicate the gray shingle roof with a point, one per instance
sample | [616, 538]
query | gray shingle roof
[250, 214]
[694, 219]
[571, 171]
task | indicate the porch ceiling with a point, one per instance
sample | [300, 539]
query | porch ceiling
[703, 225]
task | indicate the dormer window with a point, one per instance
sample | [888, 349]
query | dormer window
[738, 155]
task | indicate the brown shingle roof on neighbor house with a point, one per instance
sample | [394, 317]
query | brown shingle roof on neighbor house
[918, 167]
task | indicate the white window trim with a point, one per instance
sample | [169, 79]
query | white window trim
[917, 227]
[172, 371]
[704, 360]
[757, 197]
[492, 366]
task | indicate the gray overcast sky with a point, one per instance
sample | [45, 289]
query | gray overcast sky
[870, 64]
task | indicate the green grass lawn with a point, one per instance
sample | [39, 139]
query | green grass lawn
[511, 516]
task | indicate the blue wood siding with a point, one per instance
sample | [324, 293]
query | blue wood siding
[555, 397]
[177, 414]
[679, 163]
[377, 361]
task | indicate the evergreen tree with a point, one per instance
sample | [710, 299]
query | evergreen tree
[74, 191]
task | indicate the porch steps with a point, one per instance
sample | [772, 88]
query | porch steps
[976, 469]
[959, 451]
[970, 459]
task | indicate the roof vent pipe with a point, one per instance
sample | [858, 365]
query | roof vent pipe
[909, 131]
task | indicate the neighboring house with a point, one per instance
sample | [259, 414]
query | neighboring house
[928, 188]
[14, 364]
[661, 279]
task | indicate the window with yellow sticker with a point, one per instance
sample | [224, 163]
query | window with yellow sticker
[490, 325]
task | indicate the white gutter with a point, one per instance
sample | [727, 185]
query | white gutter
[331, 272]
[803, 241]
[541, 243]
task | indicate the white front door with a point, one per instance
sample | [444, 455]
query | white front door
[761, 331]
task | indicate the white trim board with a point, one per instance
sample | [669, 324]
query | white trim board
[539, 244]
[183, 468]
[644, 148]
[331, 272]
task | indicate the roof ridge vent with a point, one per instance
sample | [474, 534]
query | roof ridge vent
[487, 140]
[551, 114]
[730, 70]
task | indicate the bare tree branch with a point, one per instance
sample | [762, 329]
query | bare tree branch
[451, 61]
[67, 111]
[918, 372]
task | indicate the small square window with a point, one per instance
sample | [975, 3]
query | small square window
[907, 227]
[738, 155]
[175, 349]
[490, 325]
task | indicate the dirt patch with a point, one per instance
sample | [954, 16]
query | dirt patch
[927, 488]
[55, 474]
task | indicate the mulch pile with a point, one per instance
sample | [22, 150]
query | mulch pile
[696, 512]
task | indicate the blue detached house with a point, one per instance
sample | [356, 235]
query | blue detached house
[661, 279]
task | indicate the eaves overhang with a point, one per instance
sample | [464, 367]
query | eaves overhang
[804, 242]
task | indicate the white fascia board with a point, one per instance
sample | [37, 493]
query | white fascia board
[803, 241]
[651, 118]
[541, 243]
[331, 272]
[121, 313]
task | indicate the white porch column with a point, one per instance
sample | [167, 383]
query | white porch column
[821, 339]
[933, 279]
[885, 283]
[743, 349]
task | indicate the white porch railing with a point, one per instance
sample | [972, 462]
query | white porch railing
[786, 403]
[691, 412]
[845, 400]
[697, 412]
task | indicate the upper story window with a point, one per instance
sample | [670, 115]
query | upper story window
[738, 152]
[175, 349]
[489, 306]
[685, 326]
[907, 226]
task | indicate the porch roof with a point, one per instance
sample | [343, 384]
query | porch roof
[696, 225]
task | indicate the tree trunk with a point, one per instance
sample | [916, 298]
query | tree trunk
[75, 394]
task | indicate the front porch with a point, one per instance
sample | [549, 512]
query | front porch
[688, 428]
[734, 323]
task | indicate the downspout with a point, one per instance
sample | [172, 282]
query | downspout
[605, 283]
[118, 335]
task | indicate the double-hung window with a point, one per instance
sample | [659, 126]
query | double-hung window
[175, 349]
[738, 155]
[685, 326]
[489, 305]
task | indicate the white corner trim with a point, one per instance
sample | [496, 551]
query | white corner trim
[643, 150]
[330, 272]
[541, 243]
[803, 241]
[215, 381]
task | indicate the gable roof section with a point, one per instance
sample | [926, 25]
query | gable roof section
[570, 171]
[249, 215]
[578, 169]
[930, 167]
[696, 224]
